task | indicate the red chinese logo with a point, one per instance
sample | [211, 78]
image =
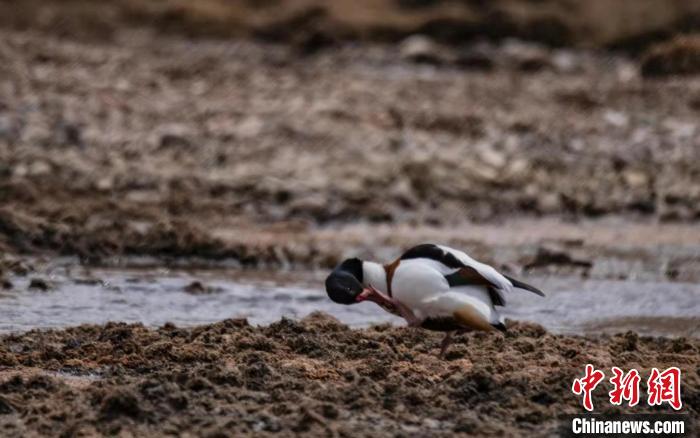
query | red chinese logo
[665, 387]
[662, 387]
[587, 384]
[626, 387]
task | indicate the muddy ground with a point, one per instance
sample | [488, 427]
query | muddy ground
[250, 151]
[309, 24]
[314, 376]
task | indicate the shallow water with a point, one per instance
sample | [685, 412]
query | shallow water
[155, 296]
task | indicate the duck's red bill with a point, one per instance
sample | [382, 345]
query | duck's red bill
[372, 294]
[366, 294]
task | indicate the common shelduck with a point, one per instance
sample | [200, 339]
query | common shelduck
[430, 286]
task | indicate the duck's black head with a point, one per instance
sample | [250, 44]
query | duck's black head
[344, 284]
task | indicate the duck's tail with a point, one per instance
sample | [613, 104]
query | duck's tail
[520, 285]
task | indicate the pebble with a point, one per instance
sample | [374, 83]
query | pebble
[423, 50]
[39, 284]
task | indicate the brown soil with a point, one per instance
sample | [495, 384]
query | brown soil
[314, 376]
[244, 150]
[314, 23]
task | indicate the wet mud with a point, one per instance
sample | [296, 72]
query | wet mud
[315, 376]
[248, 151]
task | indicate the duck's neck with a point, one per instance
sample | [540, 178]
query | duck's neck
[374, 274]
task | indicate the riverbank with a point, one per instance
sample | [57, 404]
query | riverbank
[314, 376]
[244, 150]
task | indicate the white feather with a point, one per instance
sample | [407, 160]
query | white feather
[416, 282]
[374, 274]
[474, 296]
[420, 284]
[501, 284]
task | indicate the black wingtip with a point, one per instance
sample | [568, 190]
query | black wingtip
[520, 285]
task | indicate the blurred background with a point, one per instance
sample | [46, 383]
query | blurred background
[546, 136]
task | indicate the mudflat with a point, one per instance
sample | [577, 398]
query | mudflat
[156, 145]
[313, 376]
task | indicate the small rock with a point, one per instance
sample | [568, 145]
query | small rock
[616, 118]
[198, 288]
[6, 284]
[323, 321]
[250, 127]
[120, 403]
[526, 57]
[6, 407]
[635, 178]
[549, 256]
[38, 168]
[329, 411]
[318, 317]
[493, 158]
[173, 141]
[39, 284]
[549, 203]
[105, 184]
[312, 41]
[423, 50]
[579, 98]
[20, 170]
[485, 173]
[476, 58]
[565, 61]
[431, 423]
[533, 64]
[69, 134]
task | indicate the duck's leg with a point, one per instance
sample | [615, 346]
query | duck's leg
[446, 341]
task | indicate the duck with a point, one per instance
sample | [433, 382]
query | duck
[431, 286]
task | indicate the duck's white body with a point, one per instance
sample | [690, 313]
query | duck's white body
[439, 282]
[420, 285]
